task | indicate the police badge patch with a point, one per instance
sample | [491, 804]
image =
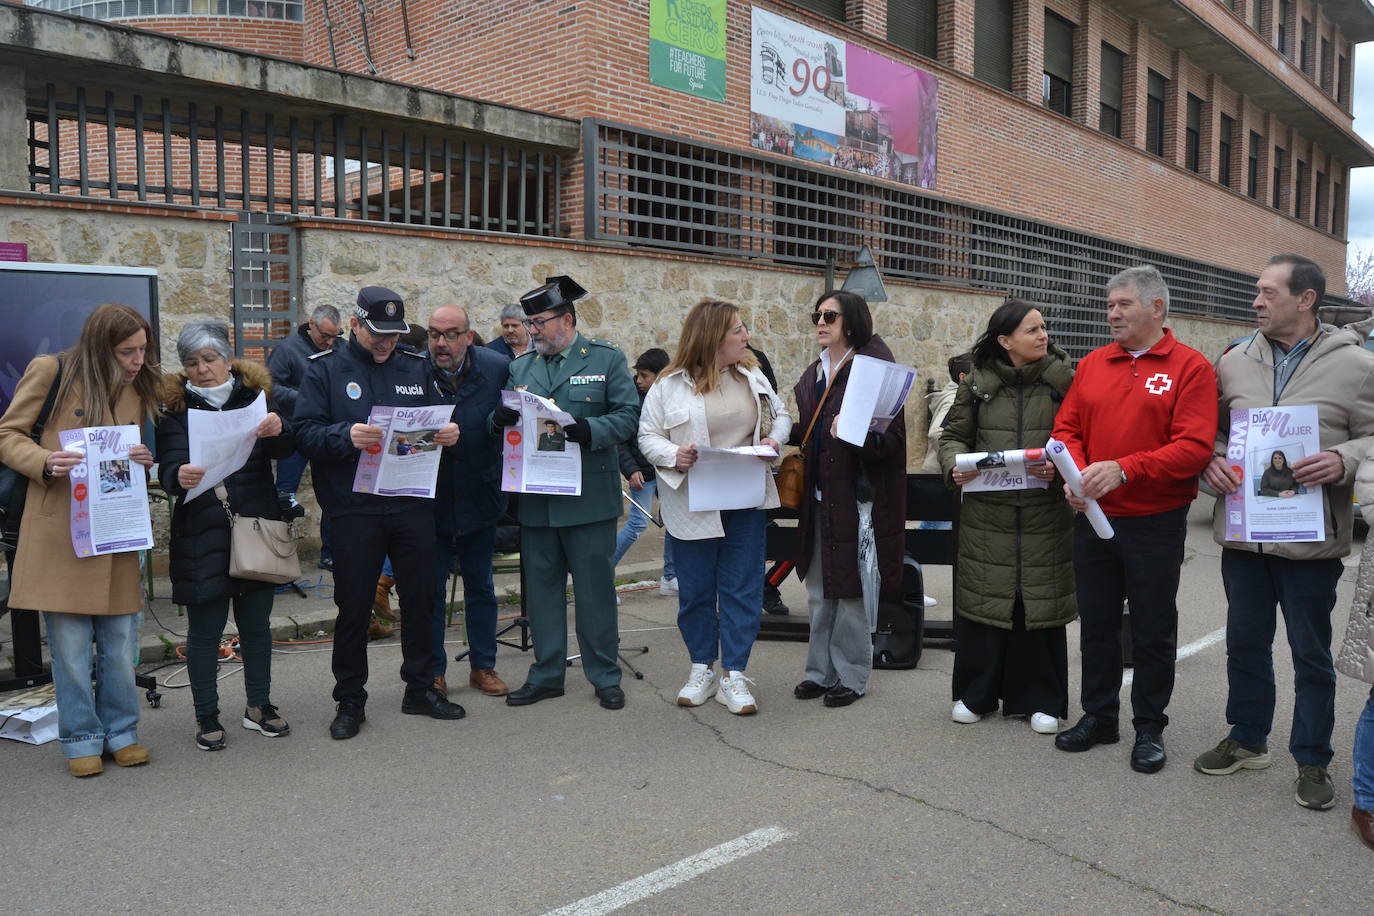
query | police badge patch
[353, 390]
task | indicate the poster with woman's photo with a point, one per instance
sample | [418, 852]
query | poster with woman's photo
[109, 504]
[1270, 504]
[406, 461]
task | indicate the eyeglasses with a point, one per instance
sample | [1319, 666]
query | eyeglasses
[450, 335]
[537, 324]
[826, 315]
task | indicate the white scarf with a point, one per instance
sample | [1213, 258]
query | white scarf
[217, 396]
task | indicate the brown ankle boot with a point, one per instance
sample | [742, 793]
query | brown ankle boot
[378, 630]
[381, 605]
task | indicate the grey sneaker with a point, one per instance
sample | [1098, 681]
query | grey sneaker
[265, 719]
[1313, 788]
[1229, 756]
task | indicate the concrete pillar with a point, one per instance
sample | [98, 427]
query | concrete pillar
[14, 131]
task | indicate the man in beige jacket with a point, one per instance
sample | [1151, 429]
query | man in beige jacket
[1292, 359]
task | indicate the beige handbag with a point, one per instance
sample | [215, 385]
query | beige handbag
[260, 549]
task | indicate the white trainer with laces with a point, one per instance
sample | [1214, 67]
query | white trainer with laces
[701, 684]
[667, 586]
[963, 715]
[734, 694]
[1044, 724]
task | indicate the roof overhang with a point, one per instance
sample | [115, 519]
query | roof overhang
[58, 48]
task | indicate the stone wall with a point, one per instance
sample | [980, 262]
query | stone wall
[190, 252]
[638, 299]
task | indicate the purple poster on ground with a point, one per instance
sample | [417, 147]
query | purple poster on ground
[818, 97]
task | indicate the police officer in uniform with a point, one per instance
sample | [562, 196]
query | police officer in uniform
[573, 534]
[340, 388]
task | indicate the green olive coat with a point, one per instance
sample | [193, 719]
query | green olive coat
[1020, 541]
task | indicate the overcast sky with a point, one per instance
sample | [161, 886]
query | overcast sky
[1362, 180]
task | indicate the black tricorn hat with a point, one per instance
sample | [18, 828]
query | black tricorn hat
[555, 293]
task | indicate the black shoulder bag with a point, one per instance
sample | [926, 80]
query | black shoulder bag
[14, 486]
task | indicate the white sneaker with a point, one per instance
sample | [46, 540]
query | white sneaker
[930, 602]
[701, 684]
[1043, 724]
[667, 586]
[963, 715]
[734, 694]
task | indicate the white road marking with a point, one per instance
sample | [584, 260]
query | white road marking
[672, 875]
[1193, 648]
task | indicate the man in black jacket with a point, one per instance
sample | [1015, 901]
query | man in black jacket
[287, 363]
[469, 501]
[340, 388]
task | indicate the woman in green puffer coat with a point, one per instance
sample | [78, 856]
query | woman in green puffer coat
[1015, 589]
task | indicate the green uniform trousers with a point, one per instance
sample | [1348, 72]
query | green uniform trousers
[548, 555]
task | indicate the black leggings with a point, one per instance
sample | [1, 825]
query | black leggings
[252, 613]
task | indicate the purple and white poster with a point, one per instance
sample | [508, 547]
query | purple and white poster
[820, 98]
[1269, 504]
[109, 504]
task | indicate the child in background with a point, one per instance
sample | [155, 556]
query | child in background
[639, 473]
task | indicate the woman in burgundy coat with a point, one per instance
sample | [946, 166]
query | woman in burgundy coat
[839, 657]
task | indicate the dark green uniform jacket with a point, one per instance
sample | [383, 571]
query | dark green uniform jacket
[592, 382]
[1021, 541]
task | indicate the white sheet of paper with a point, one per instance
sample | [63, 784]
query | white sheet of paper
[874, 395]
[406, 461]
[728, 478]
[999, 471]
[222, 440]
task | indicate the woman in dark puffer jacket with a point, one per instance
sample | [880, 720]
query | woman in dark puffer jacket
[213, 380]
[1015, 592]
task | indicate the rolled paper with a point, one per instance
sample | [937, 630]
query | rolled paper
[1064, 463]
[976, 462]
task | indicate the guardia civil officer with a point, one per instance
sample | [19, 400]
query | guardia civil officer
[340, 388]
[573, 534]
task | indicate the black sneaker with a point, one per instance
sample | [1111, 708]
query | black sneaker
[772, 601]
[209, 733]
[265, 719]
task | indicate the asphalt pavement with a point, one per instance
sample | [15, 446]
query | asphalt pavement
[882, 807]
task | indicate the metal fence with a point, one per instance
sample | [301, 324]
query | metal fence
[654, 189]
[104, 145]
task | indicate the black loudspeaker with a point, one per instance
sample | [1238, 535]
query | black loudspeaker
[901, 624]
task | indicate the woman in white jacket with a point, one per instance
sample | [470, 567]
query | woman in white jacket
[713, 395]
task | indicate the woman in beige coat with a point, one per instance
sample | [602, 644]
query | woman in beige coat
[106, 380]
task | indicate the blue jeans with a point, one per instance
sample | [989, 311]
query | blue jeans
[720, 590]
[106, 719]
[1305, 590]
[635, 524]
[1363, 771]
[474, 551]
[289, 471]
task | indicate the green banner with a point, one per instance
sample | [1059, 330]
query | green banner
[687, 46]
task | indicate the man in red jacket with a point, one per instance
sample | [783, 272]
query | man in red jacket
[1140, 419]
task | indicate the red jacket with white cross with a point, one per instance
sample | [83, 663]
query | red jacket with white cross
[1155, 415]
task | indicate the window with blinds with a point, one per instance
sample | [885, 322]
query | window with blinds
[992, 42]
[832, 8]
[1192, 158]
[1154, 113]
[1319, 211]
[1280, 173]
[912, 24]
[1226, 132]
[1058, 87]
[1109, 110]
[1252, 176]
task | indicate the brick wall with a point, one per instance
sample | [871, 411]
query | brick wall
[999, 150]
